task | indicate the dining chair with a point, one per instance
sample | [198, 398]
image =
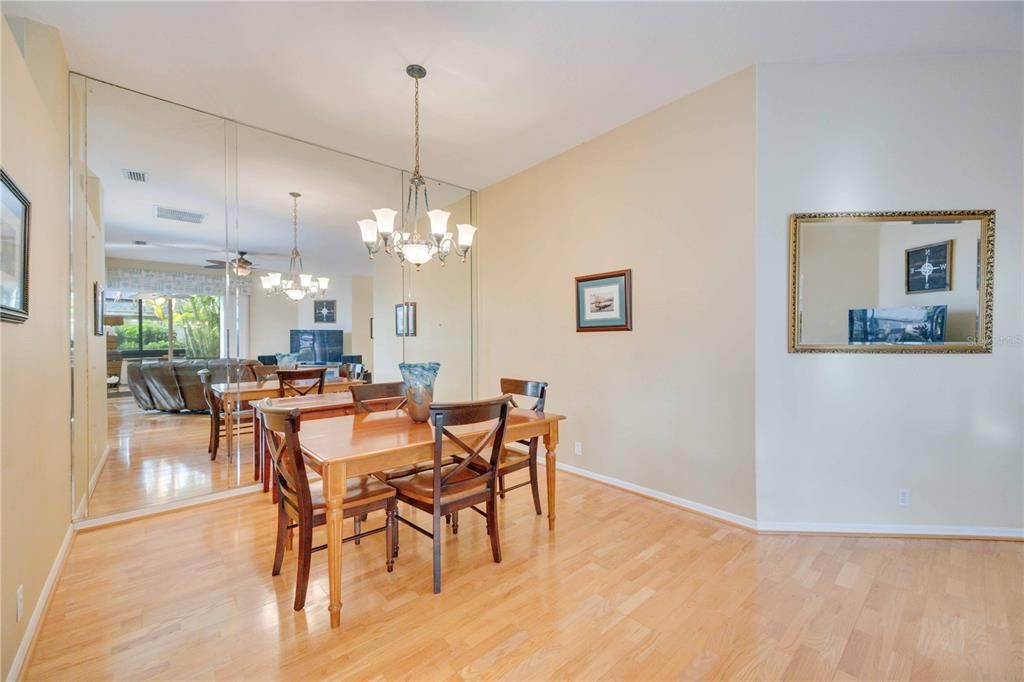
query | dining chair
[447, 488]
[287, 379]
[264, 372]
[362, 393]
[243, 418]
[516, 458]
[301, 504]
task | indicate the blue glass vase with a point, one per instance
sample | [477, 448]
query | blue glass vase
[419, 380]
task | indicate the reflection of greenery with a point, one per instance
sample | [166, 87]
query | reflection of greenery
[154, 335]
[197, 318]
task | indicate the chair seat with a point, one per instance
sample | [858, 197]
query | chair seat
[410, 469]
[358, 490]
[420, 486]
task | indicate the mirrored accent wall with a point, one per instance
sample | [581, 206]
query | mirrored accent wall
[180, 220]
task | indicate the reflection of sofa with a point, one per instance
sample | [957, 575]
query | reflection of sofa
[174, 386]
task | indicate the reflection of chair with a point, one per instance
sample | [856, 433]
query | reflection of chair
[301, 504]
[446, 489]
[264, 373]
[289, 377]
[514, 458]
[243, 418]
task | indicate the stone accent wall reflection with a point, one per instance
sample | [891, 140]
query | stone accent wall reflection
[131, 281]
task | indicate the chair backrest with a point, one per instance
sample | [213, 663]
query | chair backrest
[212, 403]
[264, 372]
[445, 415]
[364, 392]
[289, 377]
[352, 370]
[281, 428]
[528, 389]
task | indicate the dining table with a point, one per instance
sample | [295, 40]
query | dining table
[352, 445]
[236, 394]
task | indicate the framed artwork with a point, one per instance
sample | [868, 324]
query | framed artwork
[15, 218]
[371, 329]
[405, 319]
[923, 324]
[325, 312]
[97, 308]
[930, 268]
[604, 302]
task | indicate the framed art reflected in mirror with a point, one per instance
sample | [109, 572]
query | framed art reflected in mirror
[15, 214]
[883, 282]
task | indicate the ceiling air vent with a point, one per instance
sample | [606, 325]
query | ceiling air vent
[134, 175]
[178, 214]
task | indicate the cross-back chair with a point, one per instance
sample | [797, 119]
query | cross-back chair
[288, 381]
[301, 504]
[218, 428]
[516, 458]
[362, 393]
[447, 488]
[264, 372]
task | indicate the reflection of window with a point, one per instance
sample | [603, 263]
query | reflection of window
[192, 324]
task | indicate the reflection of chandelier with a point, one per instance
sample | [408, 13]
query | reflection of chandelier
[407, 243]
[296, 285]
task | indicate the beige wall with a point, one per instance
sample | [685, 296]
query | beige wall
[362, 311]
[669, 405]
[34, 428]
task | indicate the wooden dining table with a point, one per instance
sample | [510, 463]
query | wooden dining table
[232, 395]
[364, 443]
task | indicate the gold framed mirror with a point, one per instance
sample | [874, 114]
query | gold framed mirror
[891, 282]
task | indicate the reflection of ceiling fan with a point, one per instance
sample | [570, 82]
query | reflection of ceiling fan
[242, 266]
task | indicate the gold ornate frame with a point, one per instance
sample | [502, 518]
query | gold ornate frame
[986, 261]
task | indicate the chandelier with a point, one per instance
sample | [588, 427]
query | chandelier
[407, 243]
[296, 284]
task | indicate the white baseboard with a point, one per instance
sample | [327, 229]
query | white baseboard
[40, 608]
[801, 528]
[682, 502]
[95, 478]
[111, 519]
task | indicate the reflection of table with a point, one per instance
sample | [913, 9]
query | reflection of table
[364, 443]
[233, 395]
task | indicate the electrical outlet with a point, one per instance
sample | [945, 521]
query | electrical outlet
[19, 603]
[903, 497]
[578, 449]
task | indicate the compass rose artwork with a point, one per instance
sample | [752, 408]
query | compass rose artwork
[325, 312]
[930, 268]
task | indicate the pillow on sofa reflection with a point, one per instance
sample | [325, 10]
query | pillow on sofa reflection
[287, 360]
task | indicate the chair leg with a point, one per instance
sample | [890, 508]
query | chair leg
[492, 521]
[302, 575]
[289, 540]
[357, 526]
[282, 533]
[215, 437]
[448, 519]
[455, 523]
[437, 553]
[391, 534]
[213, 434]
[501, 486]
[535, 486]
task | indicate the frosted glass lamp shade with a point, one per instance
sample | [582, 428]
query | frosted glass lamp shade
[385, 219]
[265, 282]
[417, 254]
[466, 233]
[295, 294]
[305, 280]
[322, 282]
[368, 228]
[275, 279]
[438, 221]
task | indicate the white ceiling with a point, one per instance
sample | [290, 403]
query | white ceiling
[509, 84]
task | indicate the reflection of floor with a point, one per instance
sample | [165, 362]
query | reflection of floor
[157, 457]
[625, 588]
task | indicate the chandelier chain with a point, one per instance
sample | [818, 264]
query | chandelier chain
[416, 170]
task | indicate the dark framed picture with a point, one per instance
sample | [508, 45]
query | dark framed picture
[325, 312]
[930, 268]
[15, 218]
[371, 329]
[604, 302]
[405, 319]
[98, 294]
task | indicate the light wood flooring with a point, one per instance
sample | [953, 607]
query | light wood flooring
[625, 588]
[159, 457]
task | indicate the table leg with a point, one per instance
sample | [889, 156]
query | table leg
[257, 445]
[229, 423]
[334, 496]
[550, 461]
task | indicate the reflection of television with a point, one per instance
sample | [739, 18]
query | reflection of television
[921, 324]
[317, 345]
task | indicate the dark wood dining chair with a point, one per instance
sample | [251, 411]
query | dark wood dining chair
[301, 504]
[288, 379]
[264, 372]
[361, 393]
[447, 488]
[243, 418]
[522, 454]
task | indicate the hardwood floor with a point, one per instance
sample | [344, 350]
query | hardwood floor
[158, 457]
[625, 588]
